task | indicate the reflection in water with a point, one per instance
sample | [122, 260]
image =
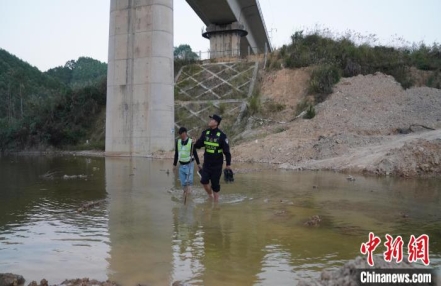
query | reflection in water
[140, 221]
[144, 234]
[188, 244]
[41, 232]
[276, 266]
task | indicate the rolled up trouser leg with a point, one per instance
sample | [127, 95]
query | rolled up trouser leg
[186, 174]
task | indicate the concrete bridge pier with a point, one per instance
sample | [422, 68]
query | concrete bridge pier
[140, 85]
[225, 39]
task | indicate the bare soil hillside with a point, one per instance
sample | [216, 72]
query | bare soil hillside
[369, 124]
[286, 87]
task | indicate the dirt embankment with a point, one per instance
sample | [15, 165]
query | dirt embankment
[369, 124]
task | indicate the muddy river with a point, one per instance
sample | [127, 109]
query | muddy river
[141, 232]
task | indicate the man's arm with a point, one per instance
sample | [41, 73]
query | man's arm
[196, 157]
[200, 142]
[226, 150]
[175, 161]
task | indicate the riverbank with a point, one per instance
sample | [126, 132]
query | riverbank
[411, 155]
[10, 279]
[345, 275]
[368, 125]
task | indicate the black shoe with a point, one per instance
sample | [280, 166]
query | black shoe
[228, 175]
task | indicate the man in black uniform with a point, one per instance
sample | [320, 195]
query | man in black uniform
[216, 146]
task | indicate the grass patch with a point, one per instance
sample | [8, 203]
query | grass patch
[280, 129]
[186, 84]
[192, 68]
[272, 106]
[99, 145]
[310, 113]
[254, 104]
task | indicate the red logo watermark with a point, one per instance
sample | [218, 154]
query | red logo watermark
[418, 248]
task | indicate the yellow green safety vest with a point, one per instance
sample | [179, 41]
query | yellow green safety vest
[184, 151]
[212, 144]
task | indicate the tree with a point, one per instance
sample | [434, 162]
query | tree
[184, 52]
[64, 74]
[85, 71]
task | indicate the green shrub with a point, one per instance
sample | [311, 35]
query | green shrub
[323, 79]
[268, 63]
[283, 51]
[310, 113]
[430, 81]
[276, 65]
[355, 54]
[57, 120]
[254, 104]
[299, 59]
[302, 106]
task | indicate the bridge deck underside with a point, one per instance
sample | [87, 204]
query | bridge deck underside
[220, 12]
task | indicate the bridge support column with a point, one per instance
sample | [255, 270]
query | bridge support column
[140, 78]
[225, 39]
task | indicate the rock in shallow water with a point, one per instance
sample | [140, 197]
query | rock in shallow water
[9, 279]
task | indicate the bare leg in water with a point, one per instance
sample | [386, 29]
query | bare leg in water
[187, 188]
[210, 192]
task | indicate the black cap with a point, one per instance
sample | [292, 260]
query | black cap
[216, 117]
[182, 130]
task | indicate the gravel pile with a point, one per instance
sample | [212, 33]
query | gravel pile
[339, 144]
[377, 104]
[363, 114]
[416, 158]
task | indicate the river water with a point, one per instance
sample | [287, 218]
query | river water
[141, 232]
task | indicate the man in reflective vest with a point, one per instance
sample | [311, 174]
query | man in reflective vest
[216, 147]
[183, 152]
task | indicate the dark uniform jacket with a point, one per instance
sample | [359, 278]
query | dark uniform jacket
[216, 146]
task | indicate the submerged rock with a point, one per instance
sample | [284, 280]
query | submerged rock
[350, 178]
[87, 282]
[88, 205]
[9, 279]
[313, 221]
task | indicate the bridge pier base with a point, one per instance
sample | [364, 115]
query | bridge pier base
[225, 39]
